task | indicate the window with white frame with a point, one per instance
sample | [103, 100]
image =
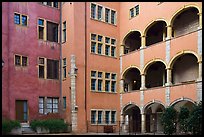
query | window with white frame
[21, 60]
[99, 116]
[48, 105]
[93, 10]
[64, 66]
[20, 19]
[134, 11]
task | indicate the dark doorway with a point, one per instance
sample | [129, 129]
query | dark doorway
[22, 110]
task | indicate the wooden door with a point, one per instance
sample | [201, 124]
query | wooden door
[21, 110]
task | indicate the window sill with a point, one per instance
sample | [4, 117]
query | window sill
[103, 22]
[95, 91]
[48, 41]
[104, 55]
[48, 6]
[103, 124]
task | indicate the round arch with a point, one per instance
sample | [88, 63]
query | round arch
[183, 9]
[152, 102]
[125, 106]
[171, 62]
[148, 64]
[128, 68]
[181, 99]
[127, 34]
[149, 25]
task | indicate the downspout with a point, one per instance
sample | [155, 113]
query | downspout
[61, 101]
[85, 71]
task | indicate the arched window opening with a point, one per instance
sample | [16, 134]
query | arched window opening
[132, 42]
[185, 22]
[156, 33]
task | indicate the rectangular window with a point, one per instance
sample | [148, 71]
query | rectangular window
[93, 84]
[64, 68]
[100, 74]
[64, 103]
[107, 75]
[100, 48]
[107, 117]
[93, 47]
[52, 105]
[93, 10]
[100, 116]
[107, 40]
[24, 61]
[24, 20]
[112, 51]
[132, 12]
[93, 36]
[21, 60]
[16, 18]
[41, 105]
[99, 85]
[100, 12]
[113, 17]
[113, 117]
[52, 31]
[107, 85]
[41, 67]
[17, 60]
[40, 28]
[55, 4]
[49, 3]
[52, 69]
[64, 31]
[107, 50]
[107, 15]
[93, 116]
[136, 10]
[100, 38]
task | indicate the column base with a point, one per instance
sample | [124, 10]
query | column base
[168, 84]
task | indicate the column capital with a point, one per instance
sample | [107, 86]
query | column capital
[168, 68]
[143, 36]
[122, 45]
[200, 13]
[168, 25]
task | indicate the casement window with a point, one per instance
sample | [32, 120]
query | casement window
[52, 31]
[100, 12]
[52, 69]
[93, 10]
[41, 28]
[48, 68]
[93, 116]
[107, 15]
[64, 103]
[103, 116]
[134, 11]
[48, 105]
[21, 60]
[113, 117]
[113, 17]
[103, 45]
[20, 19]
[51, 4]
[100, 116]
[64, 68]
[64, 31]
[107, 117]
[98, 79]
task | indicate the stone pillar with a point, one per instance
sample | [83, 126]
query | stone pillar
[199, 71]
[122, 47]
[143, 123]
[143, 82]
[143, 42]
[200, 19]
[73, 94]
[169, 32]
[121, 85]
[169, 78]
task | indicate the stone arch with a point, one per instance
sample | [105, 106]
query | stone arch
[150, 63]
[128, 104]
[129, 32]
[181, 99]
[128, 68]
[149, 25]
[183, 9]
[152, 102]
[172, 61]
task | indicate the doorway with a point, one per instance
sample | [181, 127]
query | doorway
[22, 110]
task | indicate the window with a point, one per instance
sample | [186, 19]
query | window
[93, 47]
[64, 31]
[20, 19]
[107, 50]
[21, 60]
[52, 105]
[93, 10]
[41, 105]
[100, 117]
[40, 28]
[52, 31]
[52, 69]
[93, 116]
[16, 18]
[51, 4]
[113, 17]
[113, 117]
[41, 68]
[134, 11]
[107, 117]
[107, 15]
[100, 12]
[55, 4]
[64, 68]
[110, 82]
[64, 103]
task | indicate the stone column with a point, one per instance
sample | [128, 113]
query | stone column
[143, 123]
[199, 71]
[122, 47]
[169, 32]
[200, 19]
[143, 81]
[169, 78]
[121, 85]
[143, 42]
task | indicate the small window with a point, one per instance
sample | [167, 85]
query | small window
[24, 61]
[93, 47]
[113, 41]
[93, 36]
[52, 69]
[107, 50]
[93, 84]
[107, 15]
[64, 31]
[24, 20]
[17, 60]
[41, 105]
[64, 68]
[107, 75]
[55, 4]
[113, 17]
[136, 10]
[100, 74]
[100, 117]
[93, 11]
[41, 67]
[107, 117]
[52, 31]
[93, 116]
[93, 73]
[132, 12]
[40, 28]
[64, 103]
[41, 22]
[100, 38]
[100, 12]
[16, 18]
[107, 40]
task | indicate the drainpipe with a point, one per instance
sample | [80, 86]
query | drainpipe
[85, 101]
[61, 101]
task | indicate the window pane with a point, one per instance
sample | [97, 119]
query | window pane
[93, 84]
[52, 69]
[41, 71]
[113, 115]
[99, 13]
[113, 86]
[55, 100]
[107, 40]
[99, 117]
[107, 16]
[24, 20]
[64, 102]
[100, 74]
[93, 11]
[93, 36]
[16, 18]
[99, 48]
[113, 76]
[24, 61]
[107, 85]
[55, 4]
[41, 22]
[93, 47]
[93, 73]
[113, 16]
[41, 32]
[17, 60]
[107, 50]
[113, 51]
[107, 75]
[113, 41]
[93, 117]
[100, 38]
[52, 32]
[137, 10]
[99, 85]
[131, 12]
[107, 113]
